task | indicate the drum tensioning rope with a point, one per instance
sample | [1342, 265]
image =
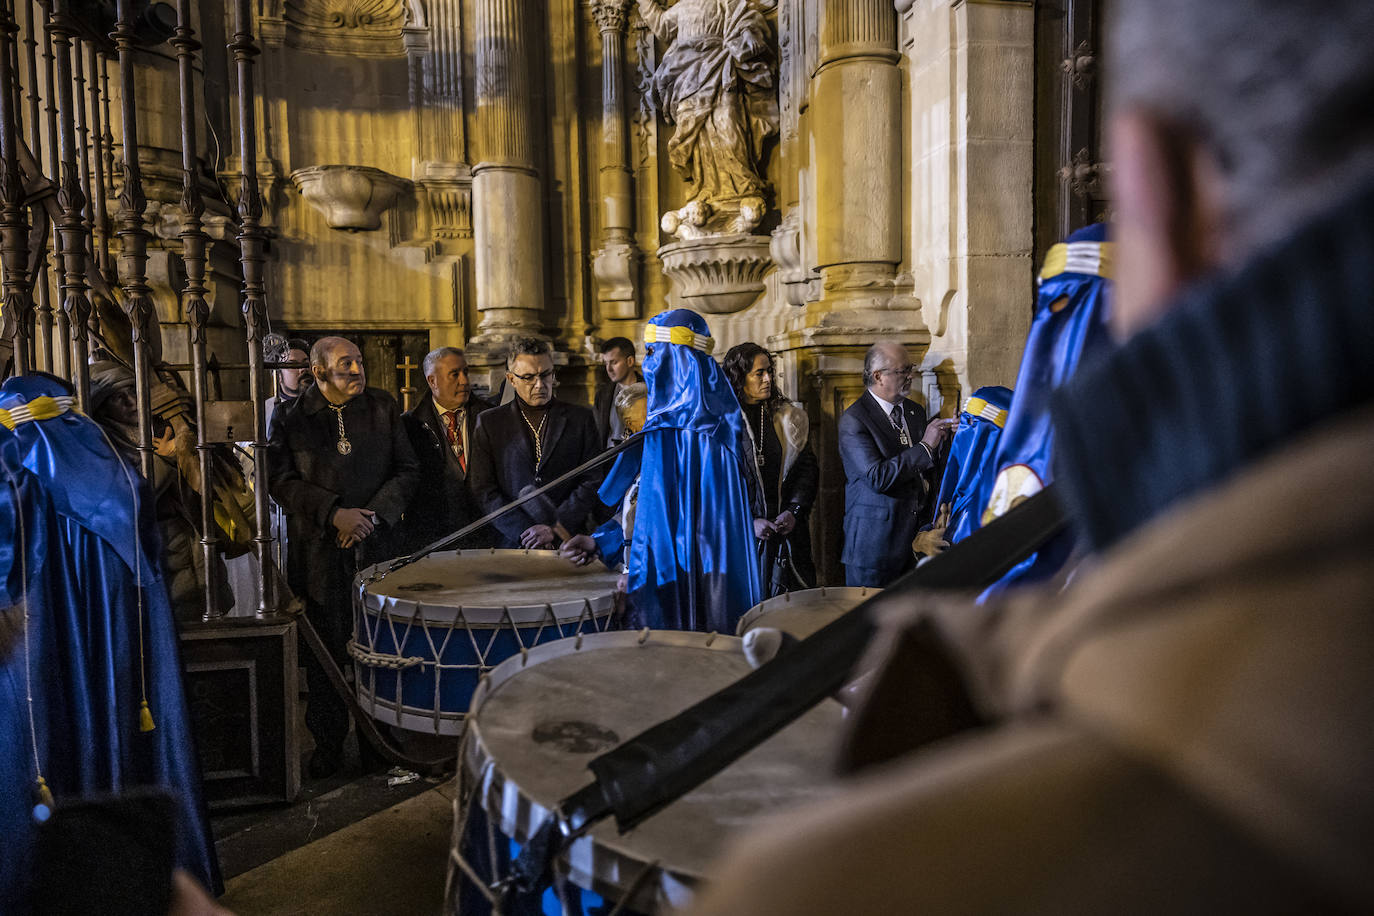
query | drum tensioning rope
[668, 760]
[448, 540]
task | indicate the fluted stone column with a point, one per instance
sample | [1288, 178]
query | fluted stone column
[857, 96]
[508, 224]
[616, 265]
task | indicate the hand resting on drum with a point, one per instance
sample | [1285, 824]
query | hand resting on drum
[353, 525]
[578, 550]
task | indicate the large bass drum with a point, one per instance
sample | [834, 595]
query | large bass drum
[424, 634]
[802, 613]
[535, 724]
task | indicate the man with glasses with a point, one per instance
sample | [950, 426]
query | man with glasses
[887, 448]
[529, 442]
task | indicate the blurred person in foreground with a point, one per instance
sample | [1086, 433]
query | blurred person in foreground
[1185, 728]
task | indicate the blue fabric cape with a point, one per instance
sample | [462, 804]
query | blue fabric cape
[691, 557]
[70, 491]
[970, 462]
[1070, 324]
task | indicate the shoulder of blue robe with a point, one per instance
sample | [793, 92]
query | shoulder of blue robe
[86, 479]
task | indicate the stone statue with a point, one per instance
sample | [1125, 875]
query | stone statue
[716, 84]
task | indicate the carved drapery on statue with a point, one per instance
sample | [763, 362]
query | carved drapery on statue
[716, 85]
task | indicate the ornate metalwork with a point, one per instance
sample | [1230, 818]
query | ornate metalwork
[48, 317]
[17, 306]
[71, 229]
[194, 245]
[1082, 66]
[102, 215]
[133, 238]
[1082, 175]
[36, 140]
[252, 241]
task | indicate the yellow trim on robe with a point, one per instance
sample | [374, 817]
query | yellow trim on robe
[654, 333]
[1096, 259]
[42, 407]
[982, 409]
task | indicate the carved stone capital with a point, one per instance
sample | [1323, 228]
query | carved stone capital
[616, 268]
[717, 274]
[351, 197]
[787, 252]
[610, 15]
[449, 201]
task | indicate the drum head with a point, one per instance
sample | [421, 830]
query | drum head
[535, 726]
[802, 613]
[526, 584]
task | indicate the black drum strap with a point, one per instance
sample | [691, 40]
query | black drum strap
[670, 759]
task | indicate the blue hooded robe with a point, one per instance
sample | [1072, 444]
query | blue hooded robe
[1069, 326]
[970, 462]
[691, 559]
[66, 497]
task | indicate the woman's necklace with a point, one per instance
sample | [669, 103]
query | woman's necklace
[538, 433]
[758, 440]
[343, 445]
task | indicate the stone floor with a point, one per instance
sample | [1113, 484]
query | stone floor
[351, 844]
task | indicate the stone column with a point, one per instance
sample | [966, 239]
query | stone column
[508, 224]
[856, 96]
[616, 264]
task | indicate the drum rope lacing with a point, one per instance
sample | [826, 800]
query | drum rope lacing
[380, 660]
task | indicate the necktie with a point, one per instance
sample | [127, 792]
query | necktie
[897, 424]
[455, 439]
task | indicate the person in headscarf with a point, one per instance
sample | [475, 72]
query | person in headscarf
[176, 487]
[91, 698]
[690, 560]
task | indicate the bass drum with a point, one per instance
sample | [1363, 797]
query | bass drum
[424, 634]
[802, 613]
[537, 722]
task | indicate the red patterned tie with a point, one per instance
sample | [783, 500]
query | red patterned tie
[455, 439]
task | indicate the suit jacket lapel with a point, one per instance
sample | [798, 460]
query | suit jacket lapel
[881, 425]
[558, 421]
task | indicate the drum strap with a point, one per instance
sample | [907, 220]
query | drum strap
[665, 762]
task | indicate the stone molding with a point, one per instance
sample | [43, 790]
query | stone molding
[718, 274]
[351, 197]
[357, 28]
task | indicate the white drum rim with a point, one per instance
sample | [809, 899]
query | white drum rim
[596, 864]
[495, 614]
[862, 592]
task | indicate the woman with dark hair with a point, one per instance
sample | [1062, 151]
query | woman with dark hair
[787, 467]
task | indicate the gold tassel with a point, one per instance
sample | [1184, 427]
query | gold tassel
[44, 793]
[145, 718]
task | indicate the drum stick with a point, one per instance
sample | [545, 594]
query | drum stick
[448, 539]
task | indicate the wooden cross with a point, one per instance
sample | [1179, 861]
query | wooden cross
[407, 390]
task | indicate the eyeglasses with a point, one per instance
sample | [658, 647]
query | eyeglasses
[900, 370]
[544, 376]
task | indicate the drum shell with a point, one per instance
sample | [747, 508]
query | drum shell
[457, 645]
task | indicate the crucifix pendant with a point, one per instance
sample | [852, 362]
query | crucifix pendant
[344, 446]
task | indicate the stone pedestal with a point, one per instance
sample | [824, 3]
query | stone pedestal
[351, 197]
[716, 274]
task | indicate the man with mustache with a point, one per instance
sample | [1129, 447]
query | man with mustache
[342, 467]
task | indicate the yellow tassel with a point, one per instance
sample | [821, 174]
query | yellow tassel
[145, 718]
[44, 793]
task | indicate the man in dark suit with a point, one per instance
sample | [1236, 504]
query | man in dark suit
[529, 442]
[441, 428]
[341, 466]
[618, 355]
[884, 467]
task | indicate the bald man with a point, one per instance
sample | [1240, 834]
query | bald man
[342, 467]
[888, 450]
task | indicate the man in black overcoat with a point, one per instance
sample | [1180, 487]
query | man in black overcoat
[529, 442]
[887, 449]
[342, 467]
[441, 428]
[618, 355]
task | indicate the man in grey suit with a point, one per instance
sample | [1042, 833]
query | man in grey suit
[884, 467]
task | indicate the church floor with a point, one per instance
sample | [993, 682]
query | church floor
[358, 848]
